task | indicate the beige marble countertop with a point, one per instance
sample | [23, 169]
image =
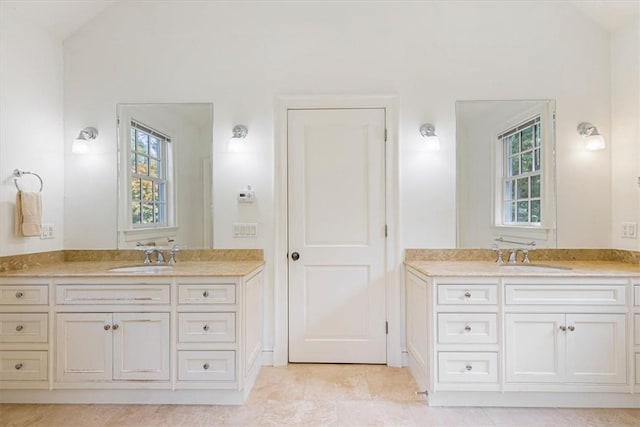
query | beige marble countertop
[101, 269]
[488, 268]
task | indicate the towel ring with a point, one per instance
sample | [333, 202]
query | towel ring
[18, 174]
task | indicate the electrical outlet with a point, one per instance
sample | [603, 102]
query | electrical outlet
[245, 229]
[629, 230]
[48, 231]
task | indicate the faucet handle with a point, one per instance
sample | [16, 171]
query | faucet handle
[525, 252]
[172, 254]
[147, 255]
[498, 252]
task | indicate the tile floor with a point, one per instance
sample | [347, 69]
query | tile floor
[316, 395]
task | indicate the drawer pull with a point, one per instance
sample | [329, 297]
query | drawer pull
[572, 328]
[107, 327]
[115, 326]
[18, 366]
[205, 366]
[205, 327]
[468, 367]
[205, 294]
[19, 294]
[563, 328]
[467, 328]
[467, 294]
[19, 328]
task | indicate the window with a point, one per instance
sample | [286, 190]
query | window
[521, 148]
[148, 153]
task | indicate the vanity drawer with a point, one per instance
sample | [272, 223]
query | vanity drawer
[21, 327]
[112, 294]
[462, 294]
[565, 294]
[468, 367]
[637, 329]
[636, 299]
[467, 328]
[207, 294]
[207, 327]
[23, 365]
[206, 365]
[637, 368]
[23, 295]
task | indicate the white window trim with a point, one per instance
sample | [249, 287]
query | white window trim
[545, 232]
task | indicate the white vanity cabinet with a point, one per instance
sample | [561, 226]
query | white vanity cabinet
[105, 338]
[112, 347]
[512, 340]
[24, 334]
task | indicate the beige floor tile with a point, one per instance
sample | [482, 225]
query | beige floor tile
[330, 387]
[301, 413]
[373, 413]
[599, 417]
[405, 391]
[528, 417]
[23, 415]
[425, 415]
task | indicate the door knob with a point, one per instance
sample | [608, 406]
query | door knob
[295, 256]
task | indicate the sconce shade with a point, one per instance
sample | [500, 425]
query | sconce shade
[238, 133]
[592, 138]
[81, 145]
[431, 140]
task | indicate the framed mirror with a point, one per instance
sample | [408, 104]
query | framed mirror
[505, 172]
[164, 174]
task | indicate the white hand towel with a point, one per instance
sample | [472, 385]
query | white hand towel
[28, 214]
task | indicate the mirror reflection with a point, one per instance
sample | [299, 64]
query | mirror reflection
[505, 173]
[164, 175]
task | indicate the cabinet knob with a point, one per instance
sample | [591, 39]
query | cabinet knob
[205, 327]
[107, 327]
[205, 366]
[19, 328]
[572, 328]
[115, 326]
[563, 328]
[205, 294]
[18, 366]
[467, 294]
[19, 294]
[468, 367]
[467, 328]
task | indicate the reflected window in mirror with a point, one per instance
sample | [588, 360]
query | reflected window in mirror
[520, 148]
[150, 170]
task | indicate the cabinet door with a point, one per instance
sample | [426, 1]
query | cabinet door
[535, 348]
[596, 348]
[83, 347]
[141, 346]
[417, 334]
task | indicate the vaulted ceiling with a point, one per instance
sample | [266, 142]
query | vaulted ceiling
[64, 17]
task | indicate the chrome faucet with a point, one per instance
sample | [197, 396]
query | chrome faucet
[159, 255]
[513, 255]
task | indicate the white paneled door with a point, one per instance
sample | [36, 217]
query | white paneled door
[336, 187]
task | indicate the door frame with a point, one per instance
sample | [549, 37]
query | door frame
[393, 294]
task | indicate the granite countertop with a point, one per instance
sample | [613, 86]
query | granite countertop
[491, 269]
[101, 269]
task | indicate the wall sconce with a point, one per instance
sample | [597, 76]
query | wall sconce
[82, 144]
[592, 138]
[431, 140]
[238, 133]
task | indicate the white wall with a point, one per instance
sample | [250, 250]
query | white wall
[31, 129]
[625, 134]
[242, 55]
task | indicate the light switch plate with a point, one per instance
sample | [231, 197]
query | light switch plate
[245, 229]
[629, 230]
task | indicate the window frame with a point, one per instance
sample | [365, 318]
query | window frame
[545, 230]
[130, 234]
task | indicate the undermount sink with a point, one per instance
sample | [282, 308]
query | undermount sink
[533, 268]
[142, 269]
